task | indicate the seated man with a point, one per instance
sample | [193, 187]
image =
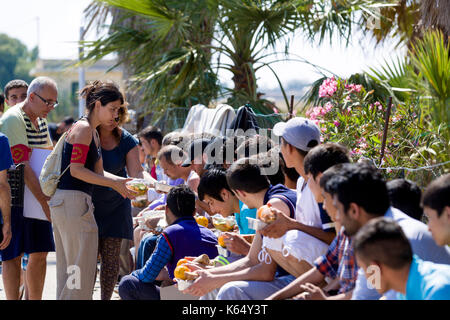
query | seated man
[339, 262]
[298, 136]
[170, 159]
[436, 204]
[360, 194]
[384, 253]
[405, 195]
[183, 237]
[214, 190]
[249, 278]
[195, 159]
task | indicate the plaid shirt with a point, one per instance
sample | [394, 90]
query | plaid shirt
[160, 257]
[339, 261]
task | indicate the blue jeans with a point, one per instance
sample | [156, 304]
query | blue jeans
[131, 288]
[248, 290]
[146, 248]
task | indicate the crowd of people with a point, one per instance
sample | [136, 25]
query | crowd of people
[309, 224]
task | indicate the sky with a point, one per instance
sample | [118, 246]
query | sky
[55, 26]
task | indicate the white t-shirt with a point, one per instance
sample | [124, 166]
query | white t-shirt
[306, 209]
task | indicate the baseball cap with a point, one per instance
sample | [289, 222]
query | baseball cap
[298, 132]
[197, 144]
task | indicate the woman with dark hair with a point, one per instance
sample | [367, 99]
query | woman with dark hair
[71, 207]
[113, 212]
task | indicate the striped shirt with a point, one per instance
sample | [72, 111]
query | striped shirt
[37, 137]
[16, 125]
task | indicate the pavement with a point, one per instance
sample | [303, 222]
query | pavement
[49, 292]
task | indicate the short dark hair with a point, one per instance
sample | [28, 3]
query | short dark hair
[212, 183]
[405, 195]
[324, 156]
[13, 84]
[246, 175]
[181, 201]
[68, 120]
[437, 195]
[151, 132]
[269, 160]
[303, 153]
[383, 240]
[360, 183]
[2, 102]
[326, 176]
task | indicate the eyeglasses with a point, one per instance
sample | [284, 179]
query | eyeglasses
[49, 104]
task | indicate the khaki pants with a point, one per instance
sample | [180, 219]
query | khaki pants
[76, 242]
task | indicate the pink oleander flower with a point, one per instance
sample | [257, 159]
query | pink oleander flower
[336, 123]
[379, 105]
[328, 106]
[353, 87]
[355, 151]
[328, 87]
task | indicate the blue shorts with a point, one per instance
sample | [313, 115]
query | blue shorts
[15, 247]
[38, 236]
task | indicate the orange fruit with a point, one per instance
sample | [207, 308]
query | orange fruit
[203, 221]
[179, 272]
[221, 241]
[265, 214]
[182, 261]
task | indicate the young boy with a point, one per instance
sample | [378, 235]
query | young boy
[214, 190]
[339, 261]
[436, 204]
[385, 254]
[298, 137]
[183, 237]
[248, 278]
[15, 92]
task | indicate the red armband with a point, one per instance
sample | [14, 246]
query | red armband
[79, 153]
[20, 153]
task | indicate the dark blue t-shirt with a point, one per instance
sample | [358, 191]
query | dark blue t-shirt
[113, 212]
[6, 160]
[289, 197]
[283, 193]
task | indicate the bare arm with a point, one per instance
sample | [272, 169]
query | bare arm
[312, 276]
[206, 282]
[134, 168]
[284, 223]
[82, 134]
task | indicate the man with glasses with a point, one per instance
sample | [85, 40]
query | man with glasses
[26, 127]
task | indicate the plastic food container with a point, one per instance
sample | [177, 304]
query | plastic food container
[255, 224]
[184, 284]
[223, 224]
[162, 187]
[140, 202]
[224, 252]
[138, 185]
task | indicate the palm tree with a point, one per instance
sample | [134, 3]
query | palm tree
[176, 52]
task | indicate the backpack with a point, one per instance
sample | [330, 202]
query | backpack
[51, 171]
